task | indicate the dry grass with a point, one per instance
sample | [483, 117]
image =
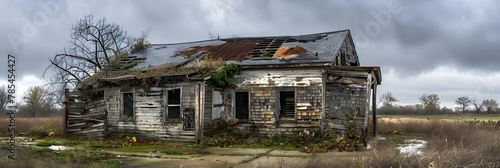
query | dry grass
[451, 143]
[24, 124]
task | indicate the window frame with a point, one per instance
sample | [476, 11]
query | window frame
[220, 105]
[167, 105]
[122, 109]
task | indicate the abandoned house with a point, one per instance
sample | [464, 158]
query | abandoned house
[263, 85]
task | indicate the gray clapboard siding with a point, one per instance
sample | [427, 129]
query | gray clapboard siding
[207, 115]
[149, 111]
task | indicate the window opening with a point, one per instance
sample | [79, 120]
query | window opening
[128, 106]
[242, 105]
[174, 105]
[287, 104]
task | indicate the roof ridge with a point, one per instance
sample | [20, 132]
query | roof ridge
[256, 37]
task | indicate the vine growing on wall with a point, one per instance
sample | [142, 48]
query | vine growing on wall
[222, 77]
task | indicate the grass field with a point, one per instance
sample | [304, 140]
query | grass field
[450, 143]
[23, 125]
[452, 117]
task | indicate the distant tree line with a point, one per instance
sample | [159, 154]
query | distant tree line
[38, 102]
[430, 104]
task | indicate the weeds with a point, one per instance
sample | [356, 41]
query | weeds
[172, 151]
[45, 130]
[450, 144]
[45, 143]
[390, 131]
[24, 124]
[305, 141]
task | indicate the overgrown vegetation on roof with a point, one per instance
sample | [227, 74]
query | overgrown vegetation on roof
[222, 77]
[198, 68]
[140, 43]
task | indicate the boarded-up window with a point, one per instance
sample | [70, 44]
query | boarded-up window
[242, 105]
[173, 105]
[128, 107]
[217, 104]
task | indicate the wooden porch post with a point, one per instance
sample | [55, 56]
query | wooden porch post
[66, 103]
[374, 108]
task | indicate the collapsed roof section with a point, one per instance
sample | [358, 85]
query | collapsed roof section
[303, 49]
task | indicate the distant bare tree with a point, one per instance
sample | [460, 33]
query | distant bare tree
[478, 105]
[387, 99]
[430, 102]
[463, 102]
[213, 36]
[38, 100]
[490, 105]
[3, 99]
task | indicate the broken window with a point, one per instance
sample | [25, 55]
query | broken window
[218, 106]
[287, 104]
[128, 107]
[242, 105]
[173, 105]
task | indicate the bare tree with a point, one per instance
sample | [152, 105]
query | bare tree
[478, 105]
[387, 99]
[430, 102]
[463, 102]
[490, 105]
[93, 45]
[3, 99]
[38, 100]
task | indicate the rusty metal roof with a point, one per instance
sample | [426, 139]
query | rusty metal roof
[320, 48]
[233, 50]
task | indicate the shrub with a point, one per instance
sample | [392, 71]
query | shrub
[222, 77]
[45, 130]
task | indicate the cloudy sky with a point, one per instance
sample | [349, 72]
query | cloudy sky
[449, 47]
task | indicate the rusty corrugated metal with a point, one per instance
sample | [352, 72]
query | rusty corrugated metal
[233, 50]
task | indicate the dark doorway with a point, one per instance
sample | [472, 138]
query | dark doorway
[242, 105]
[128, 106]
[287, 104]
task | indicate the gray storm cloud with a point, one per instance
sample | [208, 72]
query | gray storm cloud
[421, 37]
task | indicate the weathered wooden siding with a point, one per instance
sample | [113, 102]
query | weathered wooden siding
[262, 100]
[346, 99]
[85, 119]
[149, 114]
[264, 87]
[207, 115]
[277, 78]
[309, 103]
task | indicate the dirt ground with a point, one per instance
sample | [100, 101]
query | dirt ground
[220, 157]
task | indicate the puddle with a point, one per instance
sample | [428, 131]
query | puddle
[406, 145]
[28, 142]
[412, 147]
[56, 147]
